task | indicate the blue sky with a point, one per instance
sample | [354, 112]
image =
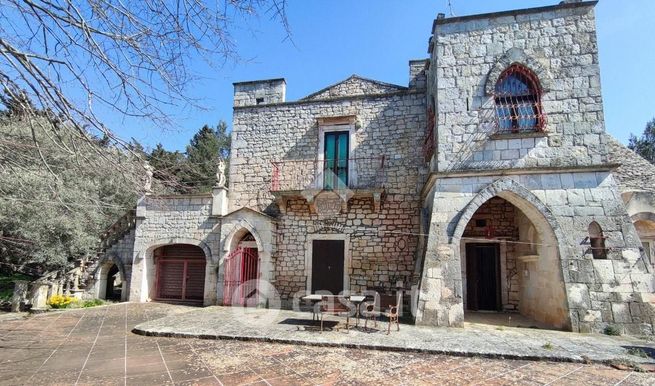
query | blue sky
[333, 39]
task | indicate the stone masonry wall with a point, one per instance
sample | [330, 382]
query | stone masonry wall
[171, 220]
[598, 292]
[560, 47]
[355, 85]
[390, 125]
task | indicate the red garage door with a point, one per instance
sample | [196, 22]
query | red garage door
[180, 272]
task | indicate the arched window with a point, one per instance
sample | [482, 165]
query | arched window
[518, 101]
[597, 241]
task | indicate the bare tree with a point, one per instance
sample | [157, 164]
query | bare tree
[74, 58]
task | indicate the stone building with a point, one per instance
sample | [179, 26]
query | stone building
[488, 183]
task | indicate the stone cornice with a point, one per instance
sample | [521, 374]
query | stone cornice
[335, 99]
[514, 171]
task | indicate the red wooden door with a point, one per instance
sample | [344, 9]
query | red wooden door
[180, 270]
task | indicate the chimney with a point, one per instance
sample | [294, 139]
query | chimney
[259, 92]
[417, 76]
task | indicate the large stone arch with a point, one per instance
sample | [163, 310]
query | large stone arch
[517, 55]
[550, 266]
[515, 193]
[143, 272]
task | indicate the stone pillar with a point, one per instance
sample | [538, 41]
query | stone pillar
[219, 201]
[39, 298]
[138, 282]
[20, 294]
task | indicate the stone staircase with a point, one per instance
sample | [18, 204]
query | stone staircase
[122, 228]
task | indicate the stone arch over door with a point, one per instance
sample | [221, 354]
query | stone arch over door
[143, 272]
[517, 55]
[100, 277]
[554, 307]
[240, 229]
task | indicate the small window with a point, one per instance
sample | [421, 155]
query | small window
[259, 101]
[597, 241]
[480, 223]
[518, 101]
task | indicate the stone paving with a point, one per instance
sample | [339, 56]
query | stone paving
[474, 340]
[96, 346]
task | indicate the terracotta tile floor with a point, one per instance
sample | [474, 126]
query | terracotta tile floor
[95, 346]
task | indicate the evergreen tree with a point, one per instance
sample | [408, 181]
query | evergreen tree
[170, 167]
[206, 146]
[645, 145]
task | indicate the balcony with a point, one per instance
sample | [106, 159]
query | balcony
[347, 178]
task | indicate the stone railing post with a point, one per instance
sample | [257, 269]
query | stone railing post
[20, 294]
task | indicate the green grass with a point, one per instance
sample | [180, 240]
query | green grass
[92, 303]
[7, 285]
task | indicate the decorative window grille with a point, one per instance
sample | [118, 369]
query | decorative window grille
[518, 101]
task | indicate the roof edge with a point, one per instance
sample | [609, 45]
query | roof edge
[513, 12]
[353, 76]
[260, 81]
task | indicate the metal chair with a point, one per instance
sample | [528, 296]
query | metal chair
[390, 304]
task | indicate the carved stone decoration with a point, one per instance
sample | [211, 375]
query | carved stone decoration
[220, 173]
[147, 186]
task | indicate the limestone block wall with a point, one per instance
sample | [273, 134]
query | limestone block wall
[354, 85]
[259, 92]
[163, 220]
[392, 126]
[570, 290]
[559, 45]
[121, 254]
[382, 244]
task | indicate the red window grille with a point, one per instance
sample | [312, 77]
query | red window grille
[518, 101]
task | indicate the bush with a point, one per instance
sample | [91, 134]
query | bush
[92, 303]
[612, 330]
[61, 301]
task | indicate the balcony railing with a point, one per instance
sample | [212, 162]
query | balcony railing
[353, 173]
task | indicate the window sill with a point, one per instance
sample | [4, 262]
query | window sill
[532, 134]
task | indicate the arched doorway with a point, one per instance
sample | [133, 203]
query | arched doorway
[110, 283]
[180, 273]
[646, 231]
[114, 284]
[510, 264]
[242, 273]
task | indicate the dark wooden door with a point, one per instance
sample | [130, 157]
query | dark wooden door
[327, 265]
[483, 277]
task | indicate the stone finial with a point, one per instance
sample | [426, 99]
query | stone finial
[147, 186]
[220, 173]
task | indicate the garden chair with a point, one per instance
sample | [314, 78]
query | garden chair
[384, 305]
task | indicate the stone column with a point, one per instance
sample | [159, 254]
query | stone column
[219, 201]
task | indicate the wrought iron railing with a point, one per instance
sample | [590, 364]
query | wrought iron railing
[353, 173]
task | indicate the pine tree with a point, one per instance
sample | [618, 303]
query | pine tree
[645, 145]
[206, 146]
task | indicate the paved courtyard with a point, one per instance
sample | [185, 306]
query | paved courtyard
[475, 339]
[96, 346]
